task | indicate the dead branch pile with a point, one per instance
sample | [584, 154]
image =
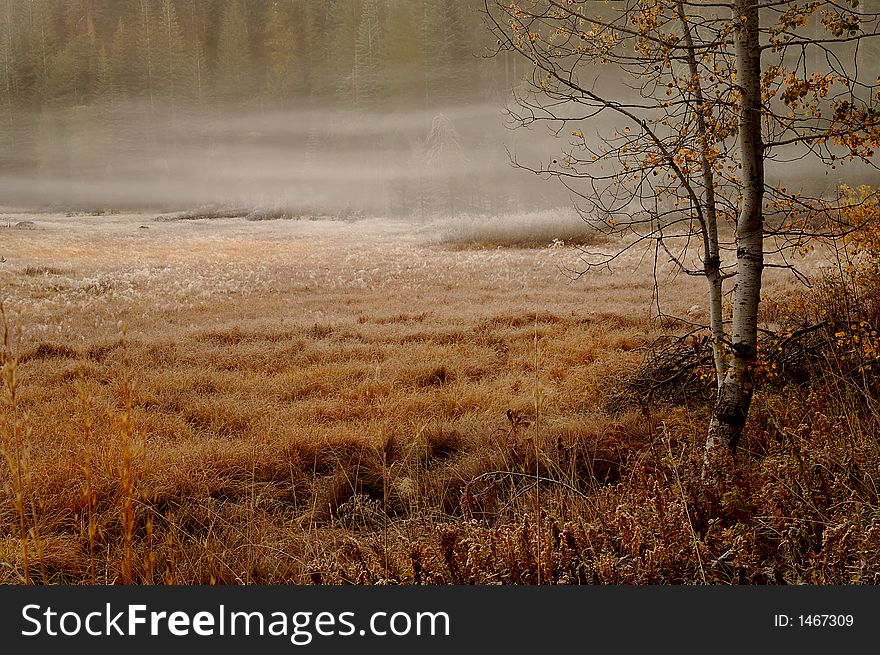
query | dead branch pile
[679, 370]
[673, 372]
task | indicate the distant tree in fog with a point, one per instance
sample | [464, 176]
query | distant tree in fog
[403, 64]
[281, 45]
[367, 67]
[125, 59]
[444, 160]
[8, 82]
[702, 94]
[235, 67]
[174, 75]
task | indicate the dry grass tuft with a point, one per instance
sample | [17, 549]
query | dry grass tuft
[50, 351]
[435, 377]
[549, 228]
[35, 271]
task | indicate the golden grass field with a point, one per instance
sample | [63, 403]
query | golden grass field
[303, 401]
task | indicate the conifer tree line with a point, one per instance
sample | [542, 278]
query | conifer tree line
[66, 64]
[367, 52]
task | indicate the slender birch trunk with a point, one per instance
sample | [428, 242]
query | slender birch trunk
[711, 251]
[735, 390]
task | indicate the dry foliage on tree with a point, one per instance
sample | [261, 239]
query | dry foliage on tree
[703, 96]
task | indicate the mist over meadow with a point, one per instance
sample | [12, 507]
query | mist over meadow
[374, 106]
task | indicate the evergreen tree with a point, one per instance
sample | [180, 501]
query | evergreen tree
[321, 62]
[105, 88]
[8, 83]
[436, 54]
[341, 49]
[281, 42]
[125, 61]
[312, 49]
[39, 46]
[402, 56]
[74, 71]
[148, 48]
[444, 161]
[367, 63]
[235, 70]
[174, 79]
[197, 52]
[450, 52]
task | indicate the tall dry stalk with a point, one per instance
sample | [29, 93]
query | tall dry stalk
[87, 470]
[12, 442]
[537, 400]
[695, 541]
[150, 563]
[252, 516]
[126, 473]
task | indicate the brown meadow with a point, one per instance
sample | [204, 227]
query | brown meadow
[221, 401]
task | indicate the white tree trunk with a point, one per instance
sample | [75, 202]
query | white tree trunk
[711, 251]
[735, 390]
